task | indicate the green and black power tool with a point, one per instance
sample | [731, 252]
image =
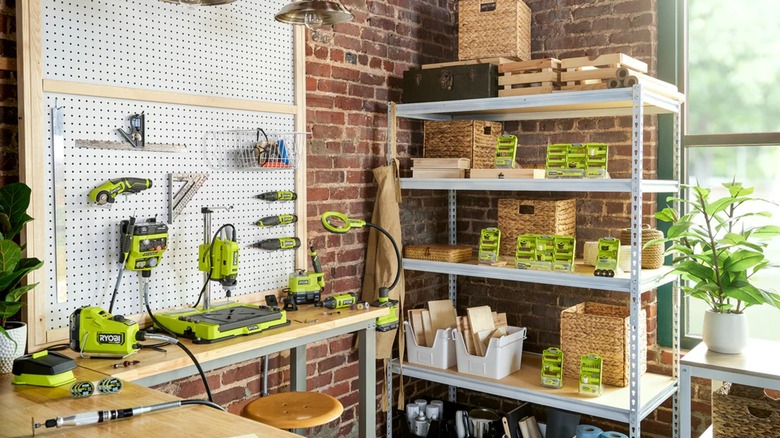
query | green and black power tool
[97, 333]
[143, 244]
[107, 192]
[220, 259]
[305, 287]
[389, 321]
[340, 301]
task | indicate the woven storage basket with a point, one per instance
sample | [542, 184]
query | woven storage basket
[653, 255]
[740, 411]
[472, 139]
[602, 329]
[534, 216]
[438, 252]
[494, 28]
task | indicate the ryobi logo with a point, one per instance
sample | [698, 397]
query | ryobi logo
[111, 338]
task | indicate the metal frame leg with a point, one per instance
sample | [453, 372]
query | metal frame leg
[298, 374]
[367, 382]
[685, 402]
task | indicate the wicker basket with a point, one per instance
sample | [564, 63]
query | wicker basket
[653, 255]
[534, 216]
[602, 329]
[744, 411]
[472, 139]
[438, 252]
[494, 28]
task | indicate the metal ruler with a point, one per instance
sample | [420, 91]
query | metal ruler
[177, 201]
[58, 186]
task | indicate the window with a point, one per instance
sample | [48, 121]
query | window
[732, 121]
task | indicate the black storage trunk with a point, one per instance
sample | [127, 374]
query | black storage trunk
[450, 83]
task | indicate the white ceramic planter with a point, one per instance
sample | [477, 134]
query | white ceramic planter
[9, 351]
[725, 332]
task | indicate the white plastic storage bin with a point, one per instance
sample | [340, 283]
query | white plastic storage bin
[441, 355]
[504, 355]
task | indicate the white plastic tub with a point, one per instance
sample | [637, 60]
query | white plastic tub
[504, 355]
[441, 355]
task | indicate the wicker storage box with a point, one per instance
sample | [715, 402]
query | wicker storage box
[438, 252]
[534, 216]
[471, 139]
[740, 411]
[602, 329]
[494, 28]
[653, 255]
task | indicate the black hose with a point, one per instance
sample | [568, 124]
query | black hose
[200, 371]
[203, 402]
[397, 253]
[151, 315]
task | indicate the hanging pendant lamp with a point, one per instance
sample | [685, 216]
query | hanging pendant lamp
[314, 13]
[200, 2]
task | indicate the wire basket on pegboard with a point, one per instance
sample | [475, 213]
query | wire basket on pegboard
[253, 149]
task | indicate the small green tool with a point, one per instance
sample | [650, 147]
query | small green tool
[576, 161]
[280, 219]
[525, 253]
[590, 374]
[564, 253]
[596, 160]
[506, 151]
[489, 245]
[556, 160]
[552, 367]
[44, 368]
[607, 257]
[279, 243]
[340, 301]
[281, 195]
[107, 192]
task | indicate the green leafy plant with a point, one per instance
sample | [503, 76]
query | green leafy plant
[14, 200]
[716, 252]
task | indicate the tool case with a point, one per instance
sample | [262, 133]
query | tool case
[450, 83]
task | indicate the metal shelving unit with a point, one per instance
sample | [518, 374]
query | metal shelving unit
[644, 393]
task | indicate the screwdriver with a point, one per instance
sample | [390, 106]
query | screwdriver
[281, 219]
[281, 195]
[279, 243]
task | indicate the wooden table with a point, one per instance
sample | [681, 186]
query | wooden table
[20, 403]
[756, 366]
[157, 367]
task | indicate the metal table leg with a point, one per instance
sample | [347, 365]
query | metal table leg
[685, 401]
[298, 374]
[367, 382]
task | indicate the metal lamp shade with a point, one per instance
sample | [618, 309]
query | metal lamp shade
[330, 12]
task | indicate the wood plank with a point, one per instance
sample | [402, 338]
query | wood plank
[527, 91]
[529, 78]
[21, 403]
[608, 59]
[430, 334]
[480, 318]
[639, 78]
[599, 86]
[438, 173]
[580, 75]
[468, 339]
[516, 173]
[441, 163]
[415, 319]
[533, 64]
[481, 340]
[498, 61]
[112, 92]
[443, 314]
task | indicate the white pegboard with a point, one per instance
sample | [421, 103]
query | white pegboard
[92, 232]
[236, 50]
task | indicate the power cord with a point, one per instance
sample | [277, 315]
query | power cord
[211, 257]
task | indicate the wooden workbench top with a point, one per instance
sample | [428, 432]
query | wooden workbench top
[20, 403]
[307, 321]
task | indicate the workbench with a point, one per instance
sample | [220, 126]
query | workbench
[756, 366]
[309, 324]
[19, 404]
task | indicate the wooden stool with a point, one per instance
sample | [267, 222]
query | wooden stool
[294, 410]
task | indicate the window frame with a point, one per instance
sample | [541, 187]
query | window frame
[673, 67]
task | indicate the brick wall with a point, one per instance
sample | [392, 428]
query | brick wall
[352, 71]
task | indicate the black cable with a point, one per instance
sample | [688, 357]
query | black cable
[397, 253]
[200, 371]
[203, 402]
[151, 315]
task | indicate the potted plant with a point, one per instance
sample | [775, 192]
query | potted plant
[14, 200]
[717, 255]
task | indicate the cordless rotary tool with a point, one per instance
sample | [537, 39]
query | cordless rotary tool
[281, 195]
[220, 259]
[279, 243]
[281, 219]
[340, 301]
[107, 192]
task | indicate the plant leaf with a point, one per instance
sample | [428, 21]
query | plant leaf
[745, 292]
[16, 294]
[10, 254]
[668, 214]
[765, 232]
[14, 200]
[742, 260]
[11, 279]
[696, 270]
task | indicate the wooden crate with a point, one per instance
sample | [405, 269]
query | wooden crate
[604, 330]
[472, 139]
[595, 72]
[534, 216]
[536, 76]
[499, 28]
[495, 60]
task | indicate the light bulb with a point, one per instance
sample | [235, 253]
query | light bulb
[312, 21]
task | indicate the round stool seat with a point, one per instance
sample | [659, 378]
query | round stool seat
[294, 410]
